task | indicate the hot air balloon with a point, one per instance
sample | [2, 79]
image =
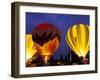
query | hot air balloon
[30, 49]
[78, 39]
[46, 38]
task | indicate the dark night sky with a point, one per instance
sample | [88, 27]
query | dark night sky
[62, 21]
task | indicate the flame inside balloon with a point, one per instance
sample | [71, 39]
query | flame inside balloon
[48, 48]
[78, 39]
[47, 39]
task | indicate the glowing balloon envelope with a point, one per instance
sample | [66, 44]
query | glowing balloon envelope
[78, 39]
[30, 49]
[47, 49]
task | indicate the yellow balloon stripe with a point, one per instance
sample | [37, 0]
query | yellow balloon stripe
[79, 40]
[70, 42]
[86, 38]
[86, 47]
[82, 38]
[88, 41]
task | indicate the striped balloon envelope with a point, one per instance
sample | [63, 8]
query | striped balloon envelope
[78, 39]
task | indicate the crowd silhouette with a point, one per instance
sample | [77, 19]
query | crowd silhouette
[70, 59]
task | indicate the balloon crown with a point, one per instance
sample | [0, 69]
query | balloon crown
[44, 32]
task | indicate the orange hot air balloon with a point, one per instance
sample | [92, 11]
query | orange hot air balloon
[46, 39]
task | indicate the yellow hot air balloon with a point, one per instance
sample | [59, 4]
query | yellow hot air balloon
[78, 39]
[30, 48]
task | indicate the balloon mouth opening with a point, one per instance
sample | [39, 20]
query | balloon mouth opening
[46, 58]
[84, 60]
